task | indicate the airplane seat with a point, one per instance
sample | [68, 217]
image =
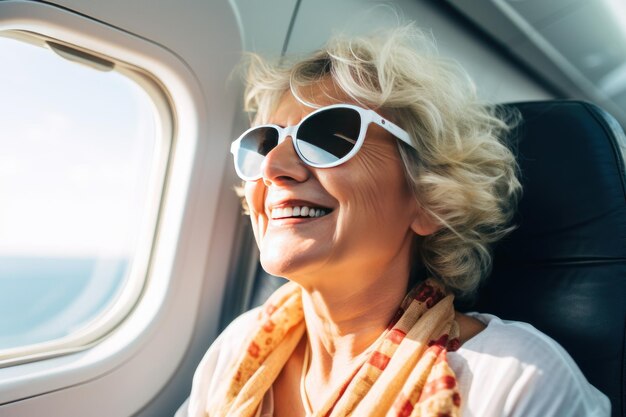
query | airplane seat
[563, 269]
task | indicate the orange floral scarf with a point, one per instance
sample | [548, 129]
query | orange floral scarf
[406, 375]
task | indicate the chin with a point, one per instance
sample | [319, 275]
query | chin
[277, 267]
[285, 266]
[289, 258]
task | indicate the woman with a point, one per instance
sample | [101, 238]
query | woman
[369, 163]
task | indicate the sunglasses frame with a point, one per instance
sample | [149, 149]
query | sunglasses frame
[367, 116]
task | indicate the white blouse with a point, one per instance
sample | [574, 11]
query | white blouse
[509, 369]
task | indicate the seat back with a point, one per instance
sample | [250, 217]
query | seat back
[564, 268]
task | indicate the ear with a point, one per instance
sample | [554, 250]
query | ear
[424, 224]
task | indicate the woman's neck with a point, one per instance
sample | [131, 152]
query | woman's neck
[342, 325]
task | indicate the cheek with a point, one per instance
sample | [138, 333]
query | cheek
[376, 183]
[254, 193]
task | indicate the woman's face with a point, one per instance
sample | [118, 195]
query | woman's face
[371, 213]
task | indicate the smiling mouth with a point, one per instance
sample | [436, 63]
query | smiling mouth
[299, 212]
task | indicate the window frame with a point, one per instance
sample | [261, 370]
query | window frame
[160, 327]
[120, 307]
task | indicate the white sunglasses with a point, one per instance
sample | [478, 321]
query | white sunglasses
[325, 138]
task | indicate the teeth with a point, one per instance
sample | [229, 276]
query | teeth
[304, 211]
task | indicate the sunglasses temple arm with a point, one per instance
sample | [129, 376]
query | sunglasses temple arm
[394, 129]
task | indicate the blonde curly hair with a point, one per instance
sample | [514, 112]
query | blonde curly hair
[462, 173]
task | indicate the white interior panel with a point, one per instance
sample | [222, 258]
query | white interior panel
[497, 79]
[264, 24]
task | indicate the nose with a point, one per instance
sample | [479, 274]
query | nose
[282, 165]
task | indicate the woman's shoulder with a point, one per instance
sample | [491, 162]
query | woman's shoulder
[238, 329]
[229, 342]
[506, 337]
[215, 363]
[511, 368]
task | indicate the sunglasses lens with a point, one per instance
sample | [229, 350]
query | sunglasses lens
[329, 135]
[253, 148]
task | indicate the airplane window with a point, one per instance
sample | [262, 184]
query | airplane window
[78, 145]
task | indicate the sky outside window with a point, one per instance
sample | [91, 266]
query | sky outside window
[76, 149]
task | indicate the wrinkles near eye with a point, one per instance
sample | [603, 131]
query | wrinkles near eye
[371, 163]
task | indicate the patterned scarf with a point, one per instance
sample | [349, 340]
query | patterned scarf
[406, 375]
